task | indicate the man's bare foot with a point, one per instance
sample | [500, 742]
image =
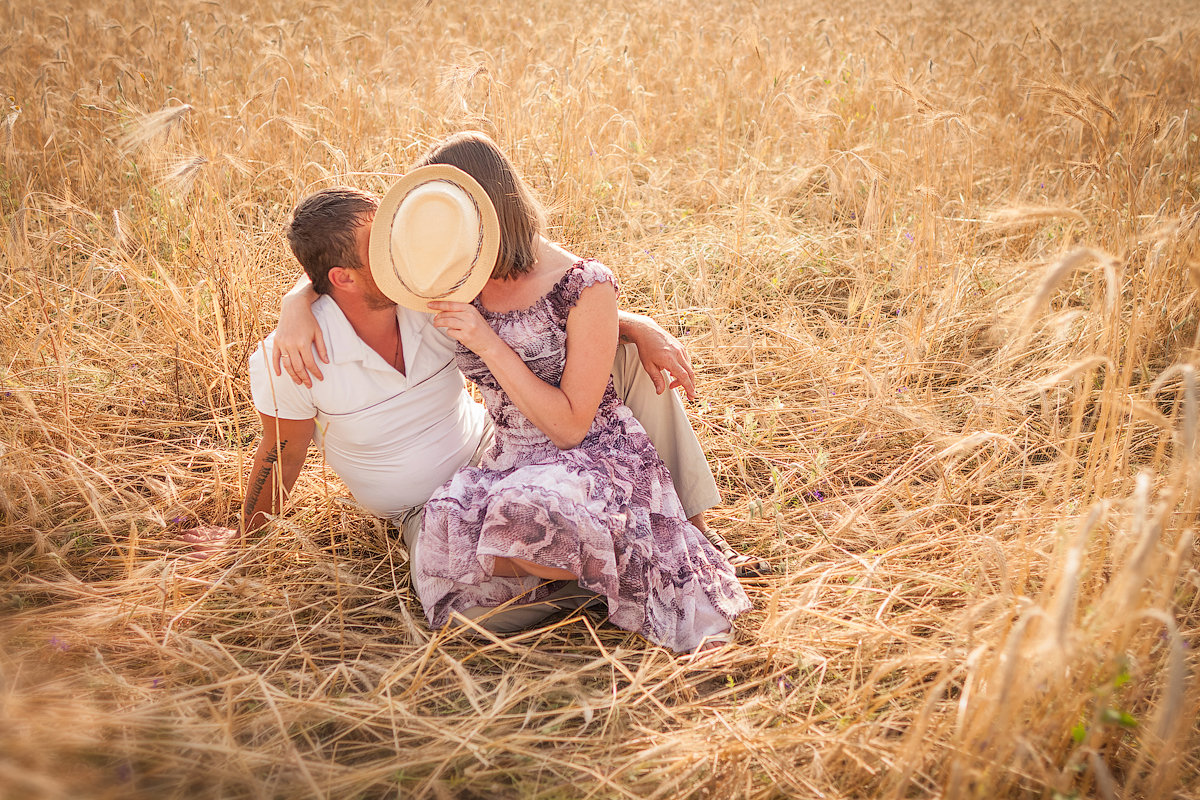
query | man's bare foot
[207, 542]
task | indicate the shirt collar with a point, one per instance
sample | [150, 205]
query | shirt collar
[343, 345]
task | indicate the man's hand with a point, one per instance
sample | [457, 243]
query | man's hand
[660, 352]
[207, 542]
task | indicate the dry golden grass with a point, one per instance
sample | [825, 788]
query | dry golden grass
[938, 270]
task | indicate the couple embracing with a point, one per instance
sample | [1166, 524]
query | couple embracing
[556, 495]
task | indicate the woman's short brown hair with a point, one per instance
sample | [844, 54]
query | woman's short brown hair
[522, 218]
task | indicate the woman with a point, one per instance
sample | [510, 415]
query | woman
[572, 487]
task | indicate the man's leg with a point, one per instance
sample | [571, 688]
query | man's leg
[666, 423]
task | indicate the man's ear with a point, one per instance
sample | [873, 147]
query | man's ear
[341, 277]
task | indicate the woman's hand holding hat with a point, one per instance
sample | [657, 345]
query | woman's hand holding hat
[463, 323]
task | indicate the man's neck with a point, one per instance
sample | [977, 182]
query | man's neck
[376, 326]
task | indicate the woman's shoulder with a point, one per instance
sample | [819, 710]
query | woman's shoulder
[592, 270]
[563, 263]
[582, 274]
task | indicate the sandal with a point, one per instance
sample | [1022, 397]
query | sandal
[744, 566]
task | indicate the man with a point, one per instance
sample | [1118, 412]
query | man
[391, 411]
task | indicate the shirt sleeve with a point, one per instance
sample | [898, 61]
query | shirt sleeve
[277, 396]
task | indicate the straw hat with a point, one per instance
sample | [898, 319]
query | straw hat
[435, 237]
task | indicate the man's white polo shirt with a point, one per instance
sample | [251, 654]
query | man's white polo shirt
[393, 439]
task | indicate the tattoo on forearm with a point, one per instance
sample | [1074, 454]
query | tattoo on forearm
[260, 479]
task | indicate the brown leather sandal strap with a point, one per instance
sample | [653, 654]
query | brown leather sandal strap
[718, 541]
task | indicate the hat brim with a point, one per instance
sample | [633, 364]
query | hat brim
[388, 273]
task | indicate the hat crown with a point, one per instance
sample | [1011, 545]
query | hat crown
[435, 235]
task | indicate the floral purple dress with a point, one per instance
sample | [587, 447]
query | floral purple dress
[605, 510]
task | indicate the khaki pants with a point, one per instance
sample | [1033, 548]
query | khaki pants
[666, 423]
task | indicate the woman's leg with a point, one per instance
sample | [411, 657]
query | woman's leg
[502, 567]
[517, 616]
[520, 568]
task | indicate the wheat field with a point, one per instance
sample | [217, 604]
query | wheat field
[937, 266]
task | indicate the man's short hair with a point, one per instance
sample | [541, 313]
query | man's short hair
[323, 231]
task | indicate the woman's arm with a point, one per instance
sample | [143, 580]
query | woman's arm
[565, 412]
[297, 334]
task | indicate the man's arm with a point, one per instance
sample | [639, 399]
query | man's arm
[658, 351]
[298, 333]
[277, 463]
